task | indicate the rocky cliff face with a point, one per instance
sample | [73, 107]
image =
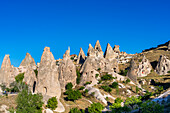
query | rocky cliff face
[163, 65]
[132, 72]
[116, 49]
[7, 72]
[47, 82]
[169, 46]
[81, 57]
[144, 67]
[67, 71]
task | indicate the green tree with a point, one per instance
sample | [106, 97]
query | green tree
[151, 107]
[78, 76]
[132, 101]
[114, 85]
[107, 77]
[19, 77]
[118, 100]
[69, 86]
[95, 108]
[127, 81]
[106, 88]
[76, 110]
[28, 102]
[52, 103]
[73, 95]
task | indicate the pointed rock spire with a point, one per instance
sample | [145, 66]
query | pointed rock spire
[109, 53]
[6, 62]
[116, 49]
[132, 72]
[67, 53]
[144, 67]
[81, 57]
[28, 61]
[163, 65]
[98, 46]
[91, 51]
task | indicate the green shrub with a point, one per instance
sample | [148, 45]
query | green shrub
[123, 72]
[132, 101]
[107, 77]
[117, 91]
[97, 75]
[69, 86]
[87, 83]
[99, 69]
[114, 85]
[19, 77]
[36, 72]
[81, 88]
[95, 108]
[78, 76]
[118, 100]
[168, 71]
[127, 81]
[76, 110]
[140, 60]
[100, 81]
[72, 58]
[106, 88]
[147, 95]
[73, 95]
[137, 89]
[28, 102]
[52, 103]
[151, 107]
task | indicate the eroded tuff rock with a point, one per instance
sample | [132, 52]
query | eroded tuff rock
[67, 71]
[144, 67]
[28, 61]
[109, 53]
[163, 65]
[169, 46]
[91, 51]
[47, 82]
[7, 72]
[132, 72]
[30, 79]
[81, 57]
[116, 49]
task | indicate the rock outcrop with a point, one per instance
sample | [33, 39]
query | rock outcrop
[7, 72]
[132, 72]
[91, 51]
[144, 67]
[81, 57]
[116, 49]
[163, 65]
[169, 46]
[28, 61]
[67, 71]
[47, 82]
[109, 53]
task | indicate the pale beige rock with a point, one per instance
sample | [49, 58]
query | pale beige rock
[67, 72]
[91, 51]
[144, 67]
[169, 46]
[132, 72]
[163, 65]
[28, 61]
[116, 48]
[109, 53]
[81, 57]
[98, 49]
[47, 82]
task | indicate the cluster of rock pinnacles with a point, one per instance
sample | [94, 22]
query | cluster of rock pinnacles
[52, 79]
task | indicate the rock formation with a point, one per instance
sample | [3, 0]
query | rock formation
[116, 49]
[91, 51]
[98, 49]
[67, 71]
[169, 46]
[132, 72]
[7, 72]
[47, 82]
[144, 67]
[163, 65]
[28, 61]
[30, 79]
[109, 53]
[81, 57]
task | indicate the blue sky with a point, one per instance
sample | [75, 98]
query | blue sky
[30, 25]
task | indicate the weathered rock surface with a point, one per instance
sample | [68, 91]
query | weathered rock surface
[169, 46]
[81, 57]
[47, 82]
[163, 65]
[98, 49]
[144, 67]
[28, 61]
[132, 72]
[109, 53]
[7, 72]
[67, 71]
[116, 49]
[91, 51]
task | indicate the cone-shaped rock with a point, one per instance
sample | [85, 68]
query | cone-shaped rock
[144, 67]
[48, 83]
[116, 49]
[28, 61]
[67, 54]
[91, 51]
[98, 49]
[67, 72]
[7, 72]
[163, 65]
[109, 53]
[81, 57]
[132, 72]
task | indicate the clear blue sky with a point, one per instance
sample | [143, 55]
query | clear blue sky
[30, 25]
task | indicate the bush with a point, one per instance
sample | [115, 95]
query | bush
[151, 107]
[137, 89]
[36, 72]
[29, 103]
[87, 83]
[81, 88]
[147, 95]
[99, 69]
[95, 108]
[74, 95]
[97, 75]
[114, 85]
[107, 77]
[76, 110]
[127, 81]
[106, 88]
[132, 101]
[69, 86]
[19, 77]
[78, 76]
[52, 103]
[118, 100]
[123, 72]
